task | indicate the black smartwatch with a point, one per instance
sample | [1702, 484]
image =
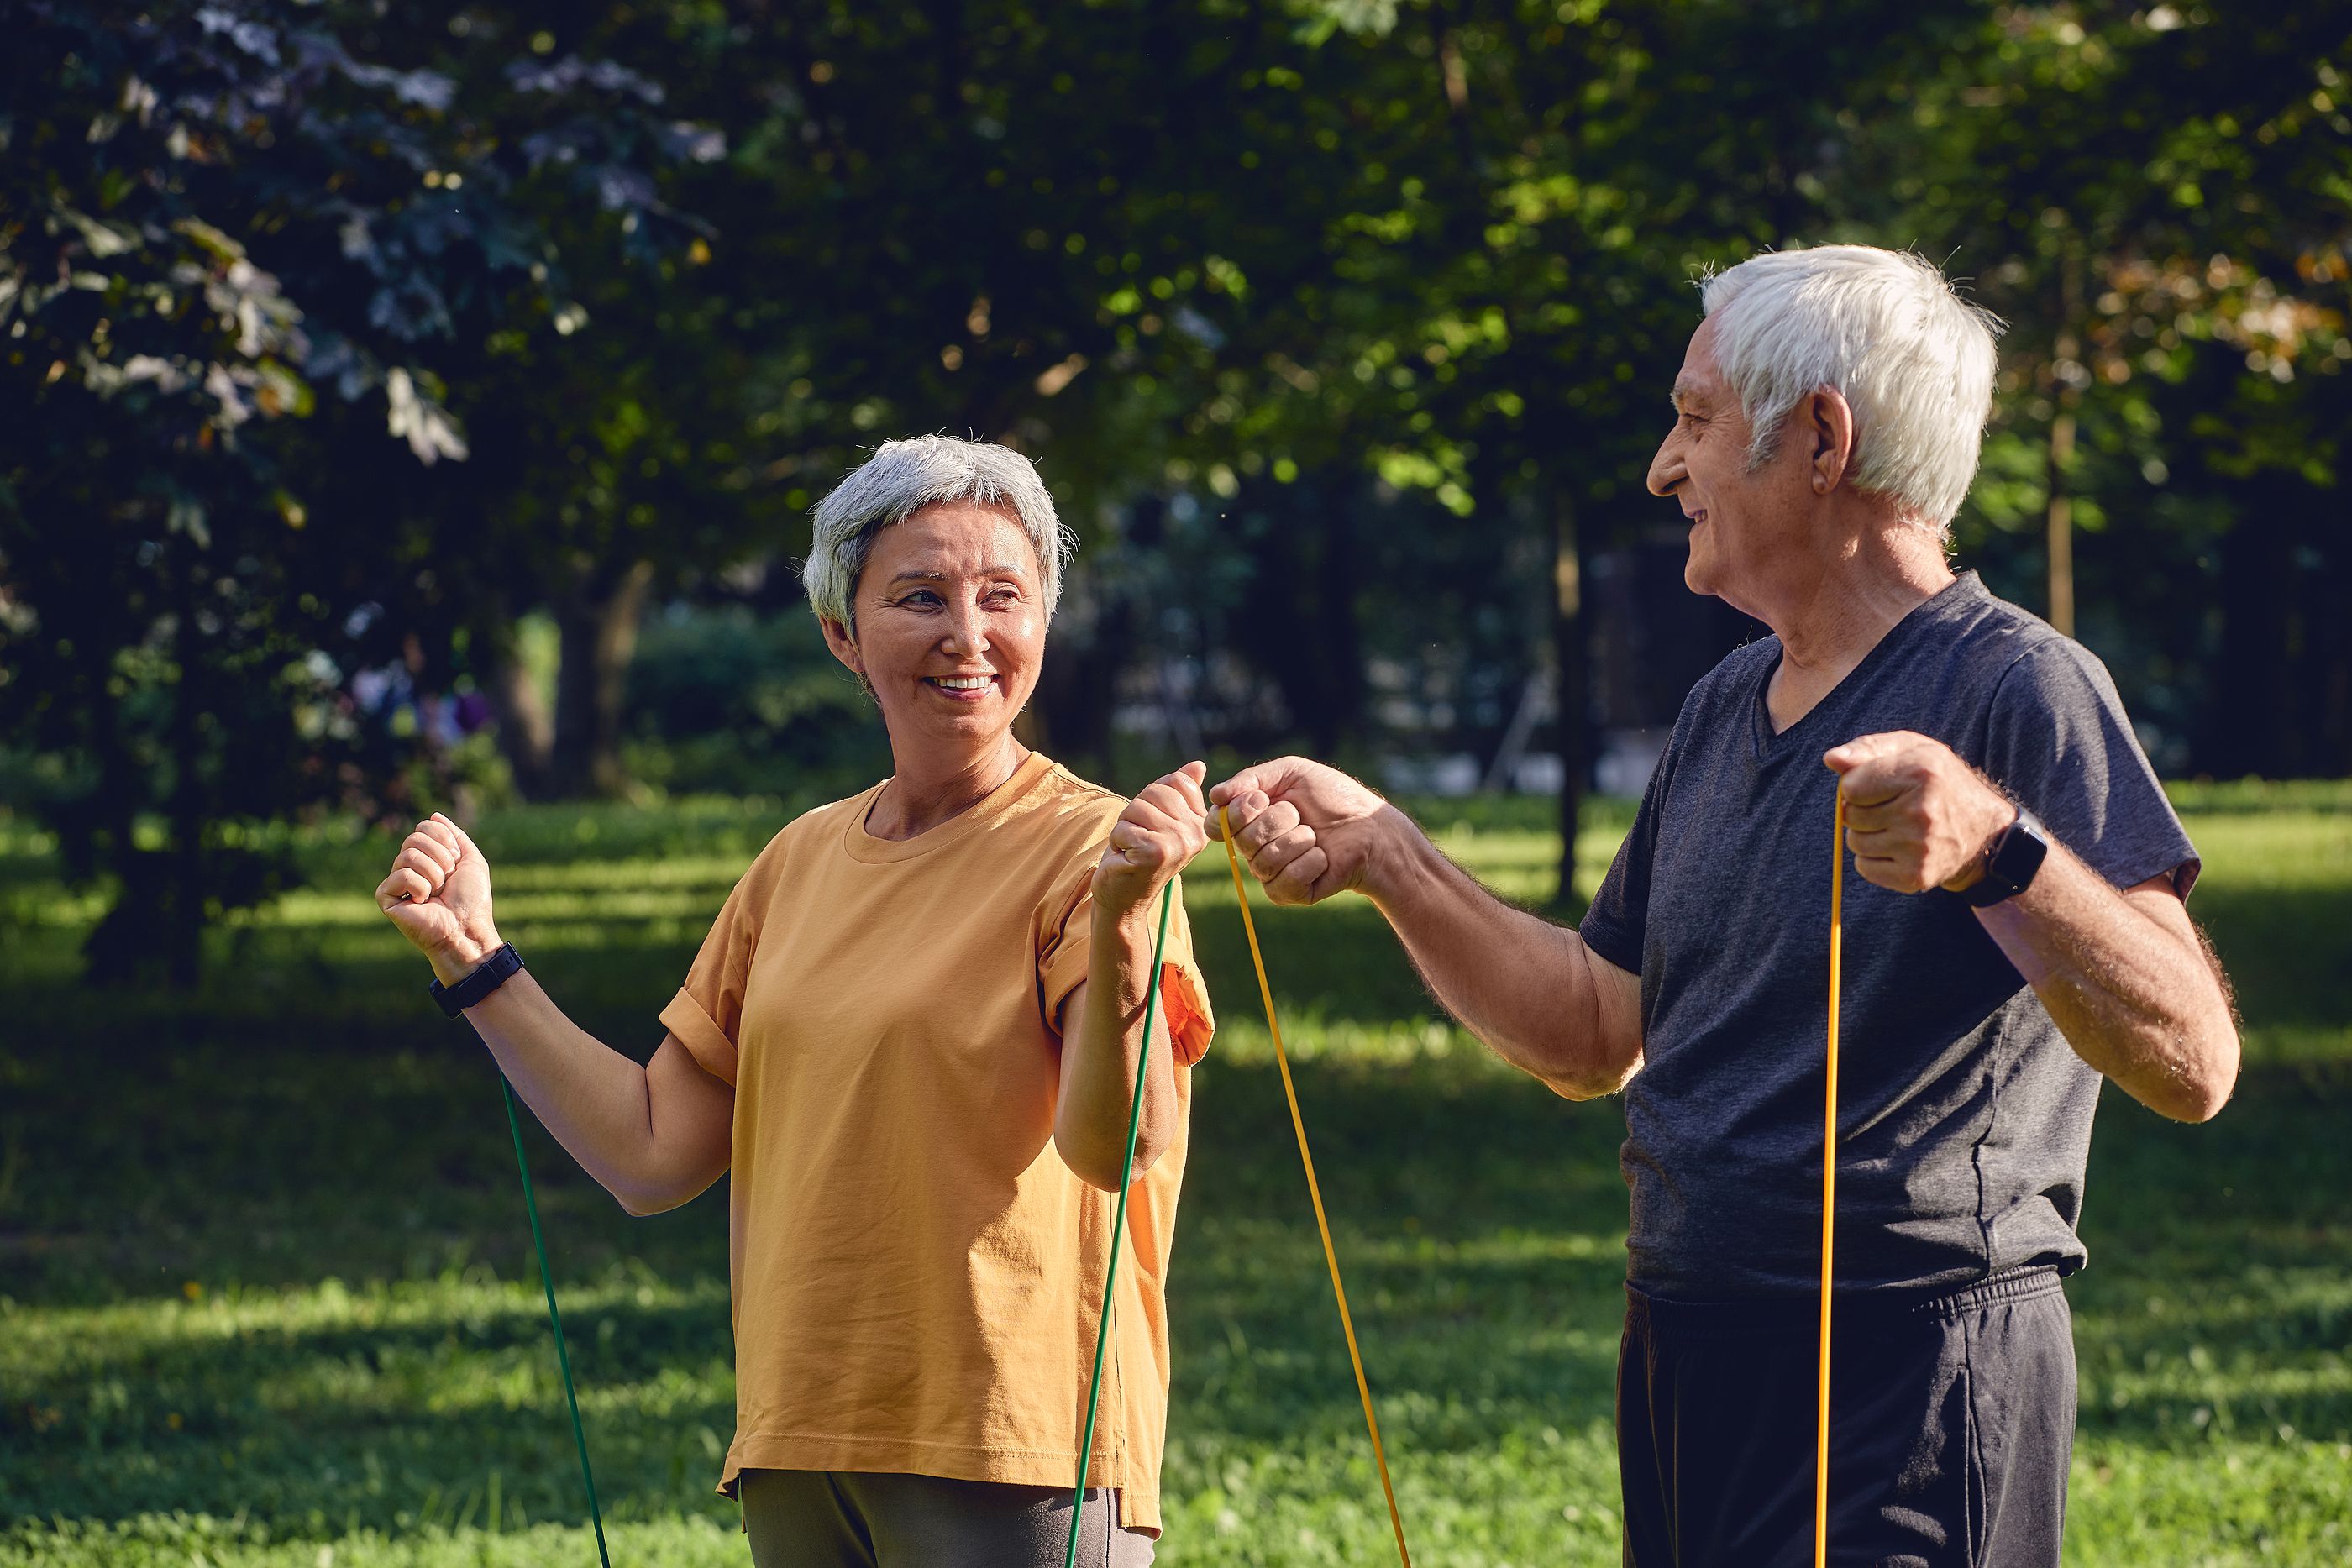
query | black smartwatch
[2010, 860]
[489, 975]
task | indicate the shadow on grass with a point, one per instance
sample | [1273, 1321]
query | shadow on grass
[1479, 1222]
[310, 1118]
[376, 1423]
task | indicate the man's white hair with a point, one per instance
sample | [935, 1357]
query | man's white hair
[900, 479]
[1913, 358]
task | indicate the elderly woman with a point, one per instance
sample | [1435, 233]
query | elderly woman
[912, 1037]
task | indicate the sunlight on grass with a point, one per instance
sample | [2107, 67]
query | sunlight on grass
[269, 1301]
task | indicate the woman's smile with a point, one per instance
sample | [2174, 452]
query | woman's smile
[962, 688]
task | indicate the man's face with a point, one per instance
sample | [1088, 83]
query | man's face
[1746, 527]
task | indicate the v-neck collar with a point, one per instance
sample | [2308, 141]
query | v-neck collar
[1770, 746]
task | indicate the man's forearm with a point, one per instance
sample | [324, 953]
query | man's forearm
[1521, 984]
[2127, 983]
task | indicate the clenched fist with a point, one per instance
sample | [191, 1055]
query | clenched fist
[1917, 816]
[440, 895]
[1307, 830]
[1156, 837]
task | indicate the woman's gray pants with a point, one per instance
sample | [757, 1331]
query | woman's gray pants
[841, 1518]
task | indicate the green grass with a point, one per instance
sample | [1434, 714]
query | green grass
[265, 1295]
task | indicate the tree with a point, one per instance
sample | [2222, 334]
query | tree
[236, 246]
[2158, 202]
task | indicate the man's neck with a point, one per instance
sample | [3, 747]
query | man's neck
[1845, 610]
[927, 791]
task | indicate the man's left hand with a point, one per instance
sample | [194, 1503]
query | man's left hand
[1917, 816]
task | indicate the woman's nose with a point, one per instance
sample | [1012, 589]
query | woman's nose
[966, 632]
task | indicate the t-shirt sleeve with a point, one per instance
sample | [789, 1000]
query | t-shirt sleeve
[1612, 927]
[707, 1014]
[2059, 742]
[1066, 949]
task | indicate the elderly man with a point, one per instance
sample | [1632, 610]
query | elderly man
[2016, 930]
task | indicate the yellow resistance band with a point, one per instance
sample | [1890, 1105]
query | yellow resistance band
[1298, 1124]
[1828, 1193]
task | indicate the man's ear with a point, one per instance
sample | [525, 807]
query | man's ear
[838, 638]
[1828, 420]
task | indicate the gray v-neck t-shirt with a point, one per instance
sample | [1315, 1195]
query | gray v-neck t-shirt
[1964, 1118]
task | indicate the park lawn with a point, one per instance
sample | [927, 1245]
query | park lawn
[265, 1295]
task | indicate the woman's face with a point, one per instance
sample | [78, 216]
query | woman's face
[951, 627]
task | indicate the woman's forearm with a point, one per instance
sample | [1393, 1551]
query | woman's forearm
[649, 1149]
[1101, 1047]
[654, 1136]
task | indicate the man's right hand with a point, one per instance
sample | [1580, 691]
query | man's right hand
[1305, 830]
[1541, 999]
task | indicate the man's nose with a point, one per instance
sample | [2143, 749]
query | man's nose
[1665, 468]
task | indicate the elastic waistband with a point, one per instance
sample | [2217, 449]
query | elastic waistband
[1767, 1316]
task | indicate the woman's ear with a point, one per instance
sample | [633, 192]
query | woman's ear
[843, 644]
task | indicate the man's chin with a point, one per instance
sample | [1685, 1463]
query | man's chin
[1699, 570]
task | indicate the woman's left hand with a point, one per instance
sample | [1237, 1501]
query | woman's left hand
[1156, 837]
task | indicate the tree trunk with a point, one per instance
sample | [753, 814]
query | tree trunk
[1573, 684]
[2249, 720]
[2067, 374]
[597, 621]
[1069, 714]
[2328, 677]
[526, 725]
[1338, 646]
[2061, 521]
[182, 886]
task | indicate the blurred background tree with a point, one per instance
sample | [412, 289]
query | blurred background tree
[381, 394]
[248, 251]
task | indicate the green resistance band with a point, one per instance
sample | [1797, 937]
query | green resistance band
[1119, 1225]
[555, 1321]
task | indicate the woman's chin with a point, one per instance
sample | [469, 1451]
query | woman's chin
[965, 725]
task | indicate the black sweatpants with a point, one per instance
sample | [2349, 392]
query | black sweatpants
[1951, 1424]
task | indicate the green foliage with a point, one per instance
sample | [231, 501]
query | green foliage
[244, 251]
[1338, 326]
[269, 1295]
[727, 701]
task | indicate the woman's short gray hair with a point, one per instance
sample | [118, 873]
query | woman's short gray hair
[900, 479]
[1913, 358]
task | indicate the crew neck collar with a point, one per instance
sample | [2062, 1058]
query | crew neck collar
[865, 846]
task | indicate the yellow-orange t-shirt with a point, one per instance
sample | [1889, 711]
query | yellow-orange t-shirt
[916, 1277]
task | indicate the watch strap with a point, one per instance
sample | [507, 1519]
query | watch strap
[486, 976]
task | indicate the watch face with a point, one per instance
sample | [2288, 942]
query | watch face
[2018, 855]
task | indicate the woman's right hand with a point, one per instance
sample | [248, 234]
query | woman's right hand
[440, 895]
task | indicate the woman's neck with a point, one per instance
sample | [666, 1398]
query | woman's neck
[925, 792]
